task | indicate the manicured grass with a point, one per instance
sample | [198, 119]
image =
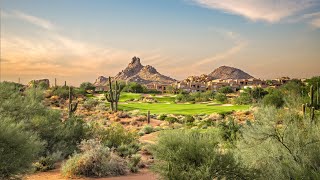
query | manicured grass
[165, 99]
[128, 96]
[191, 109]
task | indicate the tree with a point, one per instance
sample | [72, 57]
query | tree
[133, 87]
[275, 98]
[244, 98]
[225, 90]
[87, 86]
[221, 97]
[281, 144]
[18, 148]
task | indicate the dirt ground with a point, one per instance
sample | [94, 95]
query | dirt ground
[143, 174]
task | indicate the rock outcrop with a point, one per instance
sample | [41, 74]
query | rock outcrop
[226, 72]
[136, 72]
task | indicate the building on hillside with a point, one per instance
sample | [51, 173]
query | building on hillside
[163, 88]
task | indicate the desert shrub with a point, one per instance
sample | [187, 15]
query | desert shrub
[87, 86]
[147, 129]
[192, 154]
[133, 163]
[114, 135]
[281, 144]
[48, 162]
[122, 114]
[221, 97]
[61, 91]
[140, 118]
[94, 160]
[244, 98]
[71, 133]
[230, 130]
[225, 90]
[162, 117]
[188, 119]
[275, 98]
[90, 103]
[157, 128]
[171, 120]
[125, 150]
[18, 148]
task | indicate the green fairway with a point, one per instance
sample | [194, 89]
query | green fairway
[183, 109]
[129, 96]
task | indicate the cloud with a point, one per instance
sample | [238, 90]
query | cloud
[265, 10]
[239, 44]
[42, 23]
[313, 19]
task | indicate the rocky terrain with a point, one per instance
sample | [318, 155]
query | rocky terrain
[223, 72]
[226, 72]
[136, 72]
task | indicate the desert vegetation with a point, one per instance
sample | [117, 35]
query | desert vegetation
[259, 133]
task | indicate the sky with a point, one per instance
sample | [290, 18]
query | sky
[78, 40]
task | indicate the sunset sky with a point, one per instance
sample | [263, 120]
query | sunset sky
[78, 40]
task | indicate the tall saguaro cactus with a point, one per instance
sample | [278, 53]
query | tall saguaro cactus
[113, 95]
[72, 107]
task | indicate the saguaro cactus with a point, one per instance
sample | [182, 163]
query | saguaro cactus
[311, 95]
[304, 110]
[148, 117]
[113, 95]
[55, 82]
[318, 91]
[72, 107]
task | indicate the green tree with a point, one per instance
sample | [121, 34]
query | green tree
[221, 97]
[225, 90]
[18, 148]
[280, 144]
[87, 86]
[275, 98]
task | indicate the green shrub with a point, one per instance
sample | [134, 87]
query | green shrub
[18, 148]
[125, 150]
[147, 129]
[47, 163]
[90, 103]
[133, 163]
[193, 155]
[162, 117]
[61, 91]
[94, 160]
[114, 135]
[225, 90]
[243, 99]
[171, 120]
[275, 98]
[221, 97]
[188, 119]
[281, 144]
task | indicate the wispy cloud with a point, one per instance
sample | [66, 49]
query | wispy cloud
[266, 10]
[239, 44]
[42, 23]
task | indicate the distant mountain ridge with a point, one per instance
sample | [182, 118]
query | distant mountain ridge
[222, 72]
[136, 72]
[226, 72]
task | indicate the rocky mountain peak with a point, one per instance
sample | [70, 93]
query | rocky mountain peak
[226, 72]
[136, 72]
[100, 80]
[149, 69]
